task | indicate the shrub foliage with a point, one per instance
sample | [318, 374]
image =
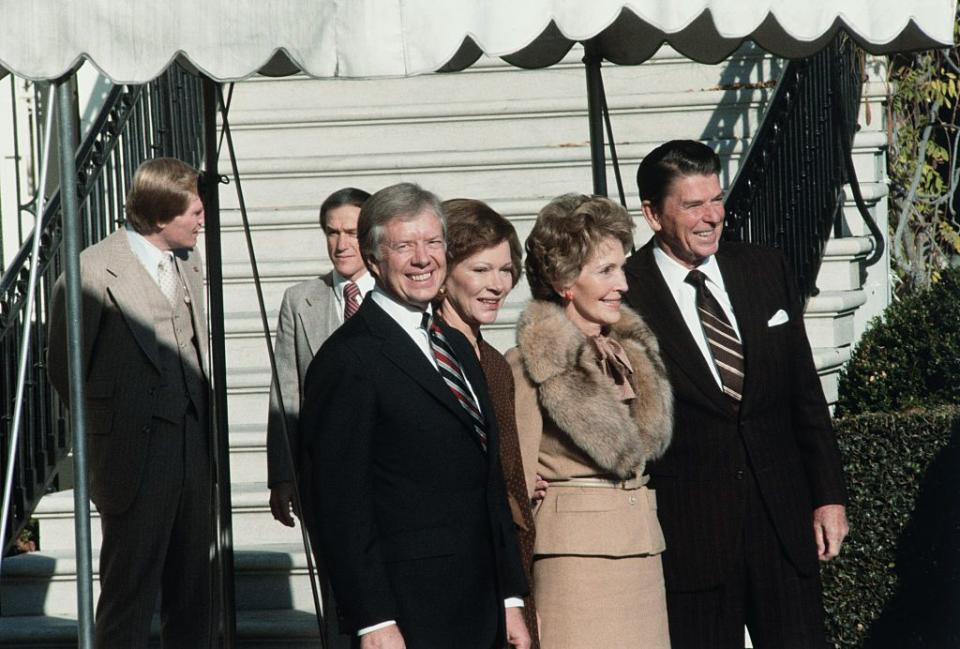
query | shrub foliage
[897, 581]
[910, 357]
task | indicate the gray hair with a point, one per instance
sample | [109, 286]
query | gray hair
[401, 201]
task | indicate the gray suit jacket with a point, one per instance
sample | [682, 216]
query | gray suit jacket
[308, 315]
[126, 384]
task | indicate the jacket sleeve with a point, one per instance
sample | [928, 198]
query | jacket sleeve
[337, 425]
[91, 309]
[284, 399]
[812, 424]
[529, 419]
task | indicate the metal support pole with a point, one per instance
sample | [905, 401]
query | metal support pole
[218, 367]
[71, 264]
[598, 163]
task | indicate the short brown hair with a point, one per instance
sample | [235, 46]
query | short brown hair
[162, 188]
[339, 198]
[568, 231]
[473, 226]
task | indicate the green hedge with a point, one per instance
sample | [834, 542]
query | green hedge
[910, 356]
[896, 583]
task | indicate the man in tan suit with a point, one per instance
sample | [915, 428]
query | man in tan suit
[144, 340]
[309, 313]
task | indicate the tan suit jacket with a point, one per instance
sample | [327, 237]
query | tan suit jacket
[308, 315]
[126, 385]
[557, 380]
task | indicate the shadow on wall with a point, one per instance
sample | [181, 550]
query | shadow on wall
[745, 75]
[923, 611]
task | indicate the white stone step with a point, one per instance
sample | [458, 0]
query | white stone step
[842, 266]
[252, 521]
[829, 318]
[256, 629]
[451, 124]
[666, 71]
[829, 362]
[271, 181]
[269, 576]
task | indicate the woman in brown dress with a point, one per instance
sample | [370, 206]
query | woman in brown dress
[593, 407]
[483, 264]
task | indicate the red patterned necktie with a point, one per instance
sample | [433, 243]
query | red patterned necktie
[722, 338]
[351, 300]
[452, 374]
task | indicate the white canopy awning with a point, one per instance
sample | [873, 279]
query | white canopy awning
[132, 42]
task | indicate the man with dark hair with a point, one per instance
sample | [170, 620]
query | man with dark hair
[144, 345]
[750, 492]
[400, 451]
[309, 313]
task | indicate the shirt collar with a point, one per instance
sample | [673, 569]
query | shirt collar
[408, 317]
[365, 283]
[676, 273]
[145, 252]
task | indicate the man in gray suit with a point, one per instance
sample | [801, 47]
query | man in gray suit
[309, 313]
[144, 341]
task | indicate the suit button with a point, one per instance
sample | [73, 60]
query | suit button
[146, 430]
[739, 475]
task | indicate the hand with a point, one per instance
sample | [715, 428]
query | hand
[517, 634]
[539, 489]
[282, 503]
[389, 637]
[829, 528]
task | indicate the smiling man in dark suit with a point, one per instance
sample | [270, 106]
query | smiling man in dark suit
[751, 491]
[400, 455]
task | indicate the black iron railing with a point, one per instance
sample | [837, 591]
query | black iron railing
[162, 118]
[788, 192]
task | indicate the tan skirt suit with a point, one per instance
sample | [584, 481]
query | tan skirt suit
[590, 414]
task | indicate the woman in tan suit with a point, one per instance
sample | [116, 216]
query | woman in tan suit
[483, 264]
[593, 407]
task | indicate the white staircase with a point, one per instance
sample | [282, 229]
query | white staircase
[513, 138]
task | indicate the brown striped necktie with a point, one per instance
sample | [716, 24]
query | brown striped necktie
[351, 300]
[721, 337]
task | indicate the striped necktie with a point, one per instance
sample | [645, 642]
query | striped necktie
[721, 336]
[452, 374]
[351, 300]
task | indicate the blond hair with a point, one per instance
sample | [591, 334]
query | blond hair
[162, 189]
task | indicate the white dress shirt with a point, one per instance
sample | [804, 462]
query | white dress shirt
[147, 254]
[685, 295]
[365, 283]
[409, 320]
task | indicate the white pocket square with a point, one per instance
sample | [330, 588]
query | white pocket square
[778, 318]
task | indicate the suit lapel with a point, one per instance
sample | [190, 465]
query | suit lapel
[649, 294]
[192, 275]
[128, 283]
[404, 353]
[319, 314]
[749, 319]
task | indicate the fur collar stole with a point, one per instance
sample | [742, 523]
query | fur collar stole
[562, 363]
